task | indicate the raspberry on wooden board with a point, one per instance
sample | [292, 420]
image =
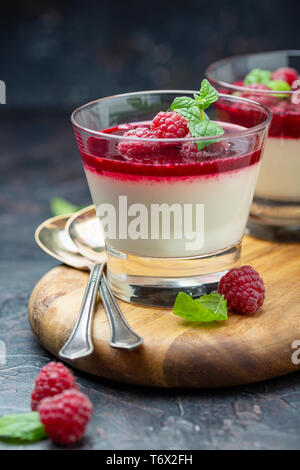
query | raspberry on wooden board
[243, 288]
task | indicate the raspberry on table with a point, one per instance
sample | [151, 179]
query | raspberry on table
[52, 379]
[65, 416]
[137, 148]
[243, 288]
[169, 125]
[287, 74]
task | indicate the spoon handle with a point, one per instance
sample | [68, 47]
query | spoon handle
[122, 335]
[80, 343]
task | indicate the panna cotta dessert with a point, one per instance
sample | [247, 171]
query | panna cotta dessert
[272, 79]
[219, 179]
[172, 186]
[278, 179]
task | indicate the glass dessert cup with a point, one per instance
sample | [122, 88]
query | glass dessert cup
[275, 212]
[172, 221]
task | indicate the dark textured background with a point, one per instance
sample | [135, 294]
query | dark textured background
[59, 54]
[55, 56]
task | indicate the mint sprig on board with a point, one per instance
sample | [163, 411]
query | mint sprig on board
[192, 109]
[60, 206]
[205, 309]
[19, 428]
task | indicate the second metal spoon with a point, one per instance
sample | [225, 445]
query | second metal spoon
[51, 237]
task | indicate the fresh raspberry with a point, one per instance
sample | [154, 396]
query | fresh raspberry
[169, 125]
[243, 288]
[287, 74]
[137, 148]
[65, 416]
[52, 379]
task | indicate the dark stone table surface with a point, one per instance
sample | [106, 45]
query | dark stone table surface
[39, 160]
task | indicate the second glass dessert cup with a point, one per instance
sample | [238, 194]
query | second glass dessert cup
[173, 216]
[275, 212]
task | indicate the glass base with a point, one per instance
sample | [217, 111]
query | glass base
[273, 233]
[276, 213]
[274, 220]
[160, 279]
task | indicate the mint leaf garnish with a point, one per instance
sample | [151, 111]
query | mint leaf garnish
[193, 111]
[258, 76]
[206, 128]
[23, 427]
[206, 309]
[60, 206]
[190, 113]
[208, 95]
[182, 102]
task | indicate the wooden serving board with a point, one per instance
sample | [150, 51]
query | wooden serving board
[177, 353]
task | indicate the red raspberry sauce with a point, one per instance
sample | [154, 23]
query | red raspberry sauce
[100, 155]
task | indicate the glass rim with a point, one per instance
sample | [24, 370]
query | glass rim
[243, 132]
[231, 86]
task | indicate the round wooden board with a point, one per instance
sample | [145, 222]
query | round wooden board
[176, 353]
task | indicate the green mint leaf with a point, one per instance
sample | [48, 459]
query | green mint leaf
[182, 102]
[60, 206]
[193, 111]
[279, 85]
[258, 76]
[22, 427]
[206, 309]
[187, 107]
[192, 115]
[203, 129]
[206, 128]
[215, 302]
[208, 95]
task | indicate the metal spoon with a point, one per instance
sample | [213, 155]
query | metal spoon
[79, 343]
[53, 239]
[85, 231]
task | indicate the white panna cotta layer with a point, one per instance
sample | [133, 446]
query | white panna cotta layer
[279, 177]
[226, 198]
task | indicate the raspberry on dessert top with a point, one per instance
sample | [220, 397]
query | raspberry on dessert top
[169, 125]
[187, 119]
